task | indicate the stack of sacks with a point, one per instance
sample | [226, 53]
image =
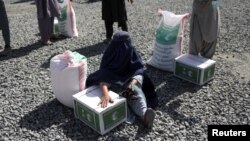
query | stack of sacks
[68, 75]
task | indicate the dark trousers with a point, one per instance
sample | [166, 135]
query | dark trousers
[109, 27]
[4, 23]
[46, 26]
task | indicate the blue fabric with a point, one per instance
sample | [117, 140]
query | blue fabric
[119, 64]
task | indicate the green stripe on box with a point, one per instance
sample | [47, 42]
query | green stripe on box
[209, 72]
[76, 109]
[113, 116]
[87, 116]
[187, 72]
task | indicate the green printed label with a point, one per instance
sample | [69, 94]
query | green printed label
[113, 116]
[187, 72]
[167, 35]
[209, 73]
[87, 116]
[63, 15]
[60, 1]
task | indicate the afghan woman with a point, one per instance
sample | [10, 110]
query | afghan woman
[121, 65]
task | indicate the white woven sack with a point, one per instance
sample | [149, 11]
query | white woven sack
[168, 40]
[68, 76]
[67, 19]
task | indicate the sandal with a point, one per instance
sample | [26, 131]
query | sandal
[48, 43]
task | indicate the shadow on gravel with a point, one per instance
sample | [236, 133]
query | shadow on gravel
[171, 110]
[46, 115]
[22, 51]
[92, 50]
[55, 116]
[168, 88]
[87, 51]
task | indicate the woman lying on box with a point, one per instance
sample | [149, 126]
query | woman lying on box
[122, 65]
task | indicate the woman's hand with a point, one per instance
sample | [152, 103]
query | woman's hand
[133, 82]
[105, 99]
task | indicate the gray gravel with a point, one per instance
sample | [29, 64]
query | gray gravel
[29, 110]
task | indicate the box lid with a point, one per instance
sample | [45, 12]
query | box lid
[92, 96]
[195, 60]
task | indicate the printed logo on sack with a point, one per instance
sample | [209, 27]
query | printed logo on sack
[167, 35]
[60, 1]
[63, 15]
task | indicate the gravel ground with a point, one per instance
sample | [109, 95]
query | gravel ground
[29, 110]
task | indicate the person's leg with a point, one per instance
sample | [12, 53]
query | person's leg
[139, 107]
[4, 23]
[109, 29]
[6, 36]
[51, 26]
[195, 42]
[45, 30]
[123, 25]
[208, 49]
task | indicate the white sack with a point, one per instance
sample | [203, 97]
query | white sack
[68, 76]
[168, 40]
[67, 20]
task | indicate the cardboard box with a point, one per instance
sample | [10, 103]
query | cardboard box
[100, 119]
[195, 69]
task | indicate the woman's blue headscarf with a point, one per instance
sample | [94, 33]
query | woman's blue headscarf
[119, 63]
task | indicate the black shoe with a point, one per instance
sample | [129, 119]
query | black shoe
[149, 118]
[7, 49]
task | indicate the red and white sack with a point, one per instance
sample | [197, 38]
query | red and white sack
[68, 76]
[67, 19]
[168, 40]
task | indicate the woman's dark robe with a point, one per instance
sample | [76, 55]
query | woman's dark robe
[120, 63]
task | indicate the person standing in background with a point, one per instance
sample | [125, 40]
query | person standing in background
[4, 26]
[114, 11]
[46, 11]
[204, 28]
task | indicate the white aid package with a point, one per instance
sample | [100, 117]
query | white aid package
[67, 19]
[168, 40]
[68, 76]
